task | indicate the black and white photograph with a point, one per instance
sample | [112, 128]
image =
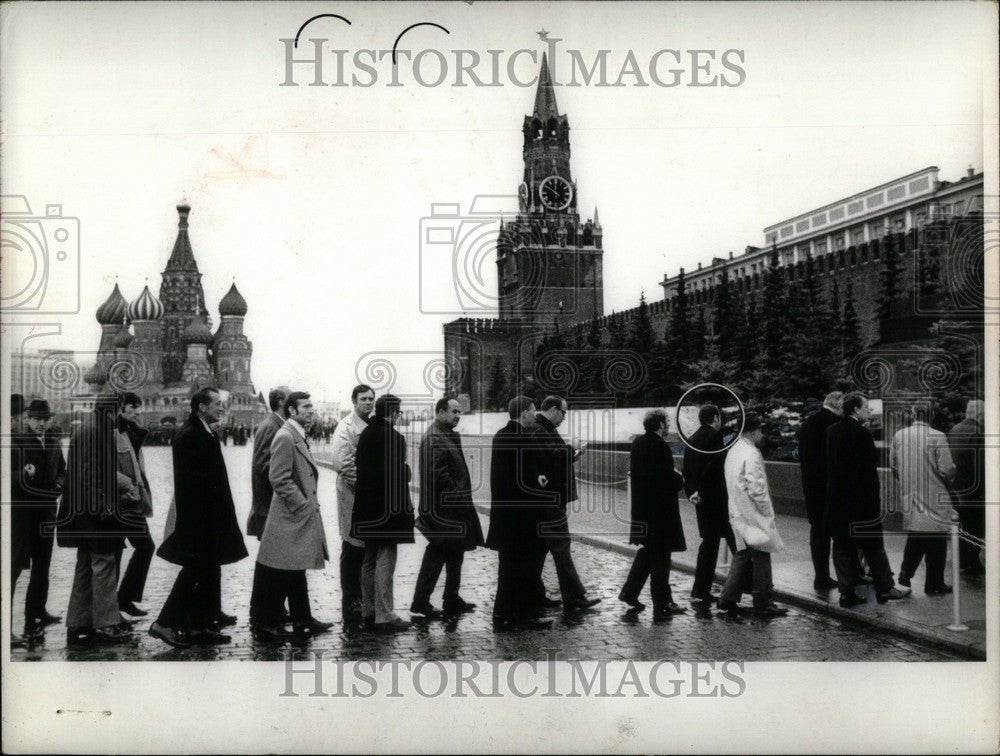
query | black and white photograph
[587, 376]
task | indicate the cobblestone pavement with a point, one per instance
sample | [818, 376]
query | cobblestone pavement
[605, 632]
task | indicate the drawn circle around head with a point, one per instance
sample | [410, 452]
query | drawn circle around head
[680, 404]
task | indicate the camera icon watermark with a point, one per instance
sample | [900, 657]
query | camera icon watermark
[40, 259]
[458, 251]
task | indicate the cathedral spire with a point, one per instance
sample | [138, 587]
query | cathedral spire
[545, 96]
[182, 257]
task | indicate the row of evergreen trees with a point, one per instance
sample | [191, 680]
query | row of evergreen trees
[782, 343]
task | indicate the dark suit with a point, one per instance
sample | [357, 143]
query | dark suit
[656, 519]
[515, 509]
[206, 534]
[38, 505]
[704, 474]
[968, 451]
[555, 461]
[448, 517]
[853, 509]
[259, 481]
[812, 463]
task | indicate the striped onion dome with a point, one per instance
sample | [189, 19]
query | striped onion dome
[112, 312]
[197, 332]
[233, 303]
[146, 307]
[123, 338]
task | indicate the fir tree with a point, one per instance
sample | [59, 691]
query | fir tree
[641, 340]
[850, 328]
[724, 318]
[676, 338]
[772, 316]
[889, 279]
[496, 392]
[698, 331]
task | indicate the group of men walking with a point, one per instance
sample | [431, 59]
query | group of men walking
[104, 499]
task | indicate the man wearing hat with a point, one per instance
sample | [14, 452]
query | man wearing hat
[19, 478]
[44, 458]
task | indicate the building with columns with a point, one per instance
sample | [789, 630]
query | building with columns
[163, 348]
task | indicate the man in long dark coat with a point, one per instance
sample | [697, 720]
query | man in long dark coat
[705, 485]
[656, 519]
[92, 520]
[812, 462]
[515, 511]
[853, 515]
[969, 453]
[556, 458]
[206, 535]
[20, 558]
[448, 517]
[43, 452]
[383, 513]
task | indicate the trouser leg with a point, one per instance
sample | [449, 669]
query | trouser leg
[503, 602]
[258, 604]
[972, 516]
[207, 598]
[819, 549]
[659, 579]
[936, 551]
[845, 564]
[104, 589]
[368, 580]
[637, 575]
[762, 585]
[537, 566]
[352, 559]
[704, 571]
[298, 597]
[176, 611]
[913, 553]
[733, 588]
[430, 570]
[38, 584]
[134, 582]
[80, 613]
[570, 585]
[873, 549]
[453, 576]
[385, 568]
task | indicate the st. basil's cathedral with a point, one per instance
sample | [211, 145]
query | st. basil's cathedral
[164, 350]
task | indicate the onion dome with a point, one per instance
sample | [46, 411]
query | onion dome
[97, 375]
[146, 307]
[112, 312]
[233, 303]
[197, 333]
[122, 339]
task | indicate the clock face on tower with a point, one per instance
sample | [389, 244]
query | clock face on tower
[556, 193]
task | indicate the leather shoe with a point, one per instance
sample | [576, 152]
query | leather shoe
[582, 603]
[49, 619]
[458, 606]
[131, 609]
[847, 600]
[271, 632]
[111, 634]
[904, 579]
[549, 603]
[395, 625]
[894, 594]
[824, 584]
[33, 628]
[317, 626]
[705, 598]
[632, 602]
[168, 635]
[729, 607]
[368, 623]
[667, 610]
[78, 636]
[16, 641]
[938, 590]
[225, 620]
[425, 609]
[209, 637]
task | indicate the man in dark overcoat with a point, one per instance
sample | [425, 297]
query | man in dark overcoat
[516, 508]
[447, 516]
[383, 512]
[206, 534]
[853, 514]
[705, 485]
[656, 519]
[20, 557]
[43, 456]
[812, 462]
[556, 458]
[92, 520]
[968, 450]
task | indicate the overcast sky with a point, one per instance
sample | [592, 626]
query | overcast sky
[312, 197]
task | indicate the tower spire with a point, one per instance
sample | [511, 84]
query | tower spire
[182, 257]
[545, 96]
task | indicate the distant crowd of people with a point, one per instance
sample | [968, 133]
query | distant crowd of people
[98, 497]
